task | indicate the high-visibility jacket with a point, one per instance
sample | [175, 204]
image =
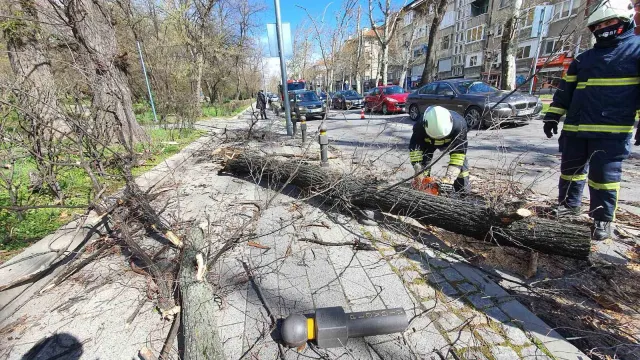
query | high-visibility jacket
[422, 147]
[600, 94]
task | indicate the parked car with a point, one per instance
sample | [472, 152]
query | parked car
[305, 102]
[347, 99]
[388, 99]
[476, 101]
[272, 96]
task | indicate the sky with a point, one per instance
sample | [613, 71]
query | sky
[291, 12]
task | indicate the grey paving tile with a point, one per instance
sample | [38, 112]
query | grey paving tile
[451, 274]
[447, 320]
[447, 289]
[330, 295]
[233, 308]
[496, 314]
[480, 301]
[366, 304]
[514, 334]
[533, 353]
[400, 263]
[466, 288]
[373, 263]
[356, 284]
[389, 347]
[424, 338]
[435, 278]
[410, 276]
[489, 336]
[231, 337]
[472, 354]
[462, 339]
[422, 291]
[504, 353]
[342, 257]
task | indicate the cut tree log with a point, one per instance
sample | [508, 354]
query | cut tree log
[201, 339]
[515, 229]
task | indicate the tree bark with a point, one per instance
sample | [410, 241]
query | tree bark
[92, 26]
[433, 32]
[199, 309]
[508, 48]
[462, 217]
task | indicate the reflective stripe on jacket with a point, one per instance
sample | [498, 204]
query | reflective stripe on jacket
[600, 94]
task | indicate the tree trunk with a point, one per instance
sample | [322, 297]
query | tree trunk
[36, 88]
[433, 32]
[199, 308]
[508, 48]
[465, 218]
[385, 64]
[93, 28]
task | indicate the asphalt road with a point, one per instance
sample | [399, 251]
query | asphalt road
[521, 153]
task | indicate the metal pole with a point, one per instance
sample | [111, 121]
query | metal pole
[323, 140]
[535, 60]
[283, 70]
[146, 78]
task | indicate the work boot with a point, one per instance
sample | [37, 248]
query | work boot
[601, 230]
[563, 211]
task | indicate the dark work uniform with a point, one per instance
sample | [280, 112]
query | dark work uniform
[261, 103]
[422, 147]
[599, 95]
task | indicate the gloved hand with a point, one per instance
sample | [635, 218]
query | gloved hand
[550, 127]
[417, 181]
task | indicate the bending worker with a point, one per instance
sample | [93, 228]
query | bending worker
[600, 95]
[441, 129]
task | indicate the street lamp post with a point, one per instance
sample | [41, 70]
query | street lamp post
[283, 70]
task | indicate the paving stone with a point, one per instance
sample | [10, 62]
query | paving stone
[480, 301]
[264, 349]
[422, 291]
[514, 334]
[400, 263]
[423, 338]
[496, 314]
[447, 320]
[447, 289]
[330, 295]
[409, 276]
[466, 288]
[451, 274]
[472, 354]
[393, 292]
[504, 353]
[555, 343]
[232, 338]
[429, 304]
[356, 284]
[462, 339]
[390, 346]
[342, 257]
[533, 353]
[234, 306]
[438, 263]
[373, 263]
[489, 336]
[366, 304]
[435, 278]
[387, 251]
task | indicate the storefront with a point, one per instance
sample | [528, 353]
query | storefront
[550, 71]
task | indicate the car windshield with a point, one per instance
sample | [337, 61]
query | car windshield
[473, 87]
[350, 93]
[393, 90]
[307, 96]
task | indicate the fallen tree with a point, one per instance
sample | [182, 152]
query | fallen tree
[516, 228]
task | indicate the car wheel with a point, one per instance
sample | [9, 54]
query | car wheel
[385, 110]
[473, 116]
[414, 112]
[344, 105]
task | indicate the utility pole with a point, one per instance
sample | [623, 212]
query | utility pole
[283, 70]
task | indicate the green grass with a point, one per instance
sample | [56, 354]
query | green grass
[144, 115]
[20, 230]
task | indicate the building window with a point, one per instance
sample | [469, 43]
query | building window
[499, 30]
[444, 45]
[479, 7]
[562, 10]
[527, 20]
[408, 18]
[475, 34]
[523, 52]
[473, 60]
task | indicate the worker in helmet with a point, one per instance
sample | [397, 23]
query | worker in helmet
[439, 128]
[599, 95]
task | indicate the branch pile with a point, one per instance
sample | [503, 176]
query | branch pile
[516, 228]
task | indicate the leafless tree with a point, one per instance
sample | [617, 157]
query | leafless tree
[384, 33]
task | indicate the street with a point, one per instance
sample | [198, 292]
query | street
[522, 153]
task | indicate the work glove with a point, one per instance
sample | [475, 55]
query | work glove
[550, 127]
[445, 188]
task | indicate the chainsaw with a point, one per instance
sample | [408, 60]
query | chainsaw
[426, 184]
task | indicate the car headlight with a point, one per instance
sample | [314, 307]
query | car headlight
[499, 106]
[300, 108]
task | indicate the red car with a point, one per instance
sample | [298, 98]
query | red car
[388, 99]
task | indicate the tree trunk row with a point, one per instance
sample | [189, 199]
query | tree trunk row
[462, 217]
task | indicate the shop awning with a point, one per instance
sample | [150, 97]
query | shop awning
[551, 69]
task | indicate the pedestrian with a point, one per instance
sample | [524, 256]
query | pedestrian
[441, 129]
[261, 104]
[599, 95]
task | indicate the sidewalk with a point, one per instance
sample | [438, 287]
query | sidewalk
[453, 307]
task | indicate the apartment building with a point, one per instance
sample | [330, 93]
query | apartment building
[468, 40]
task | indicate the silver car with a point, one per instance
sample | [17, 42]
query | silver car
[481, 104]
